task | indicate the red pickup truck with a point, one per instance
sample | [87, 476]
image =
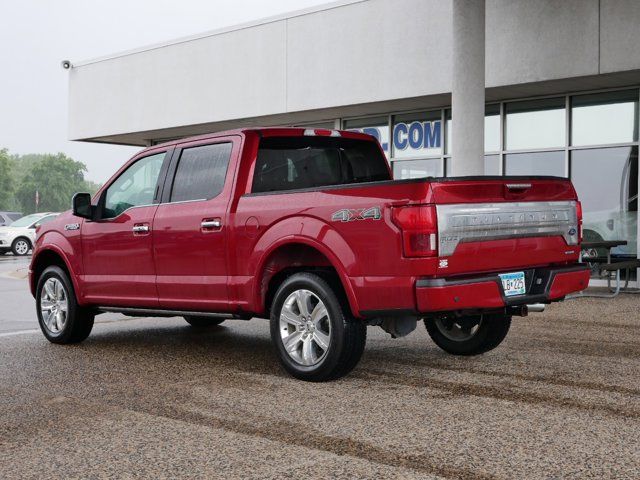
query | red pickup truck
[306, 227]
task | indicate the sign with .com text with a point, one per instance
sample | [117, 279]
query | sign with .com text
[410, 140]
[417, 139]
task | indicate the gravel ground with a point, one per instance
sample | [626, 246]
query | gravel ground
[154, 398]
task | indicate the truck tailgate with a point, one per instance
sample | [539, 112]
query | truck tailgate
[505, 223]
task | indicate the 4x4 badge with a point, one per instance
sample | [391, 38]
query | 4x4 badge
[351, 214]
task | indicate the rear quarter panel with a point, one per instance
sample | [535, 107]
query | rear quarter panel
[367, 253]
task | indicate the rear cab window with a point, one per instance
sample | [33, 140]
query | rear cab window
[291, 163]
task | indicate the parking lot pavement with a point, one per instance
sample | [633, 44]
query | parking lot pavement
[16, 302]
[155, 398]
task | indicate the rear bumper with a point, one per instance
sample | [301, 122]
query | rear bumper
[544, 285]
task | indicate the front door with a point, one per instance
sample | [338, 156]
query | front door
[117, 247]
[190, 227]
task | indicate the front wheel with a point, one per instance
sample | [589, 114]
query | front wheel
[60, 317]
[470, 335]
[20, 247]
[314, 334]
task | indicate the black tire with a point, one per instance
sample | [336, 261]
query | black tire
[490, 333]
[16, 246]
[347, 335]
[79, 320]
[202, 322]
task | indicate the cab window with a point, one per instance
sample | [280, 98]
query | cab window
[201, 172]
[289, 163]
[136, 186]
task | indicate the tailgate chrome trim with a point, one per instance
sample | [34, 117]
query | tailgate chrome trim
[477, 222]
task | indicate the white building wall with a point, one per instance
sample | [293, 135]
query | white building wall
[367, 52]
[316, 64]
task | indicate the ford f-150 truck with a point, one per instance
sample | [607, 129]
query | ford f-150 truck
[306, 227]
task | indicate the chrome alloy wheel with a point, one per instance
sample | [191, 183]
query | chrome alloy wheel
[22, 247]
[459, 330]
[54, 305]
[305, 328]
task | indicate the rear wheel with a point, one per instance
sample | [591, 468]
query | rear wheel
[314, 334]
[20, 246]
[470, 335]
[60, 317]
[202, 322]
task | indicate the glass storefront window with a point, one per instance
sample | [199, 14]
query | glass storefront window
[491, 129]
[536, 163]
[431, 167]
[378, 127]
[417, 135]
[606, 180]
[536, 124]
[603, 118]
[329, 125]
[491, 165]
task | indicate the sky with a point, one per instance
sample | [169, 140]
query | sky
[36, 35]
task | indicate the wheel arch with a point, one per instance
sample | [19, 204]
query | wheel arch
[296, 254]
[46, 257]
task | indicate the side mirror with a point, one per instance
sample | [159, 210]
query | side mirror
[82, 205]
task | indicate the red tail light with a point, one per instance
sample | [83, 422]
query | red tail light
[419, 226]
[579, 216]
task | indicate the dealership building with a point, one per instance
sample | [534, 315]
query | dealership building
[449, 87]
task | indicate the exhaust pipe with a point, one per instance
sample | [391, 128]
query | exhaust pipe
[524, 310]
[536, 307]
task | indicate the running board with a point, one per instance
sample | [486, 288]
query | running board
[156, 312]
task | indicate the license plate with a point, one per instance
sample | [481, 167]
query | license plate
[513, 283]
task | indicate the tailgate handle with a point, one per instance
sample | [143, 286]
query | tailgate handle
[518, 186]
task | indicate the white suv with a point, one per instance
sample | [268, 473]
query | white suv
[20, 236]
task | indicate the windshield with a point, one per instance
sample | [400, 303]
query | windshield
[26, 221]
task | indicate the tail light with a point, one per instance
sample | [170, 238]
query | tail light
[419, 227]
[579, 217]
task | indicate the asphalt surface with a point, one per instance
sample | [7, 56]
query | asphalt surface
[155, 398]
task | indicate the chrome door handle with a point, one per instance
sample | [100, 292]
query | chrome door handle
[140, 228]
[211, 224]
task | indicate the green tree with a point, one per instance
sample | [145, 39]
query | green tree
[7, 184]
[91, 187]
[56, 178]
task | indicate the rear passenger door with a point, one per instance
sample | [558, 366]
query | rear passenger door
[190, 226]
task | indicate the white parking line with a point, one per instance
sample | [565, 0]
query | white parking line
[19, 332]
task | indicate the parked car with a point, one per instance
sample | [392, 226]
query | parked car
[307, 228]
[7, 218]
[20, 236]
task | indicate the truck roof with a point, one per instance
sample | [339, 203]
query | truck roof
[271, 132]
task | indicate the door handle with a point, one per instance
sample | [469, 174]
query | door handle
[212, 223]
[140, 229]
